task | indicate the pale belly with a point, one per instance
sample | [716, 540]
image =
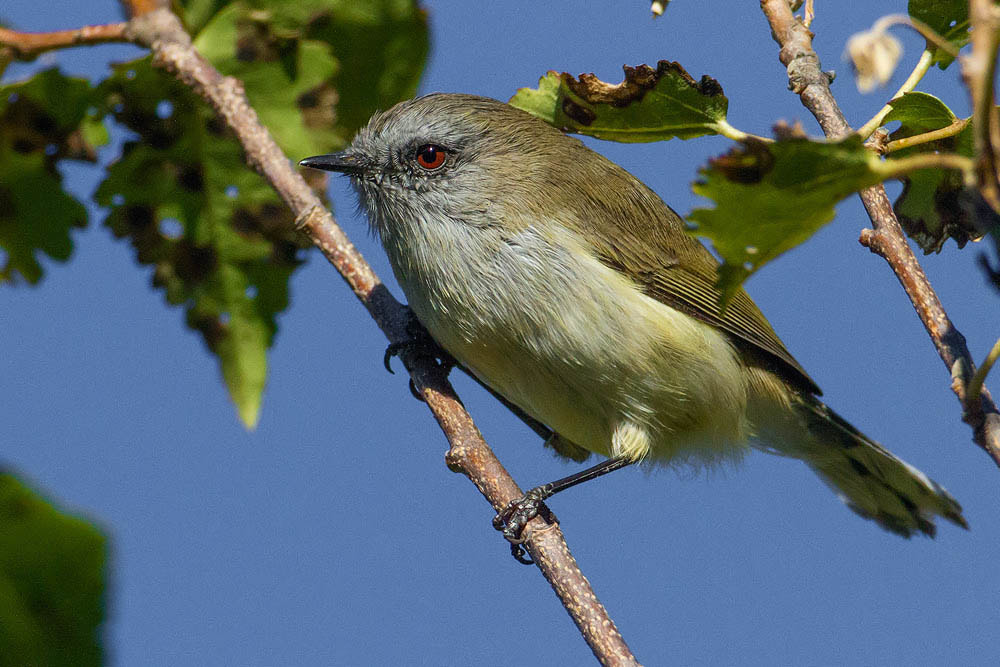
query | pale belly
[592, 356]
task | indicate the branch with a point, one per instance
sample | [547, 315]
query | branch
[886, 239]
[28, 45]
[978, 71]
[161, 31]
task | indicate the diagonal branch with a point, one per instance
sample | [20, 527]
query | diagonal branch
[886, 239]
[161, 31]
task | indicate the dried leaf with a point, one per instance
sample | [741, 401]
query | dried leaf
[648, 105]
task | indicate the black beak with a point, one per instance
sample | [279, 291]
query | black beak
[344, 162]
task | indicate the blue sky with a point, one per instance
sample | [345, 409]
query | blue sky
[334, 534]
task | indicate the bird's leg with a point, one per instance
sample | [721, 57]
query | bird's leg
[513, 518]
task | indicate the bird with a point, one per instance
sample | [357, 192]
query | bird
[570, 289]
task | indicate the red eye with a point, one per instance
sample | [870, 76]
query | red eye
[430, 157]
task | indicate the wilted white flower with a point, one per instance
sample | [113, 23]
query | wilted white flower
[873, 55]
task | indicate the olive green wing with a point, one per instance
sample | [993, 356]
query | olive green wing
[678, 271]
[696, 295]
[630, 229]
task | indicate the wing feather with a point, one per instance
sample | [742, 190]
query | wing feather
[634, 232]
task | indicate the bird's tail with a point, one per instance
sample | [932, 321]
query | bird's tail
[866, 476]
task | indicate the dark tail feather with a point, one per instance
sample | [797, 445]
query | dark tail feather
[869, 479]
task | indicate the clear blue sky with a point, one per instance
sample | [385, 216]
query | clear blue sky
[335, 535]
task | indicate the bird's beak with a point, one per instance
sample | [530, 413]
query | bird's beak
[345, 162]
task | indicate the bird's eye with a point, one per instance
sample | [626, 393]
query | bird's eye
[431, 156]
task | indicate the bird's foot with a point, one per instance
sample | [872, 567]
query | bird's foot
[420, 343]
[513, 519]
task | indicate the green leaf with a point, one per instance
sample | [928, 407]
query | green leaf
[196, 13]
[770, 197]
[369, 78]
[42, 120]
[52, 582]
[918, 113]
[934, 204]
[316, 70]
[948, 18]
[276, 68]
[218, 238]
[649, 105]
[36, 215]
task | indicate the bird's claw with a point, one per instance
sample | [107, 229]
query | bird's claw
[419, 342]
[512, 520]
[393, 350]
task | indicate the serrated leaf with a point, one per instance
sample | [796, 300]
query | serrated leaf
[42, 120]
[218, 238]
[771, 197]
[948, 18]
[934, 204]
[316, 70]
[52, 582]
[649, 105]
[36, 215]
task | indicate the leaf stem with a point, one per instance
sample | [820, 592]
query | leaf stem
[923, 64]
[927, 137]
[976, 383]
[900, 166]
[730, 132]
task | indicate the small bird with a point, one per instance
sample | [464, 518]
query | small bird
[567, 287]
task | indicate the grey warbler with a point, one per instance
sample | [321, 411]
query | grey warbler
[569, 288]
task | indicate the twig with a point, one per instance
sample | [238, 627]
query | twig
[808, 14]
[27, 45]
[927, 137]
[730, 132]
[139, 7]
[928, 32]
[162, 32]
[923, 64]
[886, 239]
[978, 71]
[894, 168]
[976, 383]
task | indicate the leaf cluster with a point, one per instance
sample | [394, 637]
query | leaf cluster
[218, 240]
[770, 195]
